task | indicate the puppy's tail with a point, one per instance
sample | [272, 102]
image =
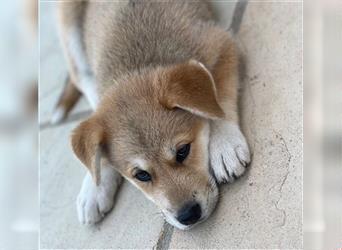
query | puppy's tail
[67, 100]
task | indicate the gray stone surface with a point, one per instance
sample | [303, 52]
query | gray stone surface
[261, 210]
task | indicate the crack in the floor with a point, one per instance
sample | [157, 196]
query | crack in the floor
[238, 15]
[164, 238]
[276, 204]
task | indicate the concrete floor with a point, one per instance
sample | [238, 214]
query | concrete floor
[261, 210]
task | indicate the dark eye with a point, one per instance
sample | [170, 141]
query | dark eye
[142, 175]
[182, 153]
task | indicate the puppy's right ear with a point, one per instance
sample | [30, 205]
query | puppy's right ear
[191, 87]
[87, 142]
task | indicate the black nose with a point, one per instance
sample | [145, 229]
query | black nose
[189, 214]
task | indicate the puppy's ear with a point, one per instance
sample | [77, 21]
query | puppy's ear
[87, 141]
[190, 86]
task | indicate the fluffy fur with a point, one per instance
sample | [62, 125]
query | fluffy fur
[164, 76]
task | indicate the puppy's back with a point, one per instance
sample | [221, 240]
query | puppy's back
[126, 36]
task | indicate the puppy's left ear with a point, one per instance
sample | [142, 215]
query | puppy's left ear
[87, 142]
[191, 87]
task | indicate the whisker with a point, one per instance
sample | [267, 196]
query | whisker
[157, 215]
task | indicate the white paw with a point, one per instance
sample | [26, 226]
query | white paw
[229, 153]
[93, 202]
[58, 115]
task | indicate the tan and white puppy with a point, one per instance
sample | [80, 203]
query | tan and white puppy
[162, 79]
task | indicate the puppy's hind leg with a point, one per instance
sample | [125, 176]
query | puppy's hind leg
[67, 100]
[70, 31]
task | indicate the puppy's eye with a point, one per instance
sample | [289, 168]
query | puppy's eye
[183, 152]
[142, 175]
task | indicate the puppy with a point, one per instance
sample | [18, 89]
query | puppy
[162, 79]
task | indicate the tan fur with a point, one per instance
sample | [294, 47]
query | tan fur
[190, 87]
[70, 15]
[113, 49]
[87, 139]
[155, 94]
[69, 96]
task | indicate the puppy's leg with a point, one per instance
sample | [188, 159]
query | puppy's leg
[93, 202]
[70, 29]
[229, 152]
[69, 97]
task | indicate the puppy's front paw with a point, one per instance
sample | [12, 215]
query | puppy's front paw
[229, 153]
[93, 202]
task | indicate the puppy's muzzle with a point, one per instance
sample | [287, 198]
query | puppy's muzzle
[190, 213]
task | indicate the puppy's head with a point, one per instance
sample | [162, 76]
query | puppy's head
[154, 129]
